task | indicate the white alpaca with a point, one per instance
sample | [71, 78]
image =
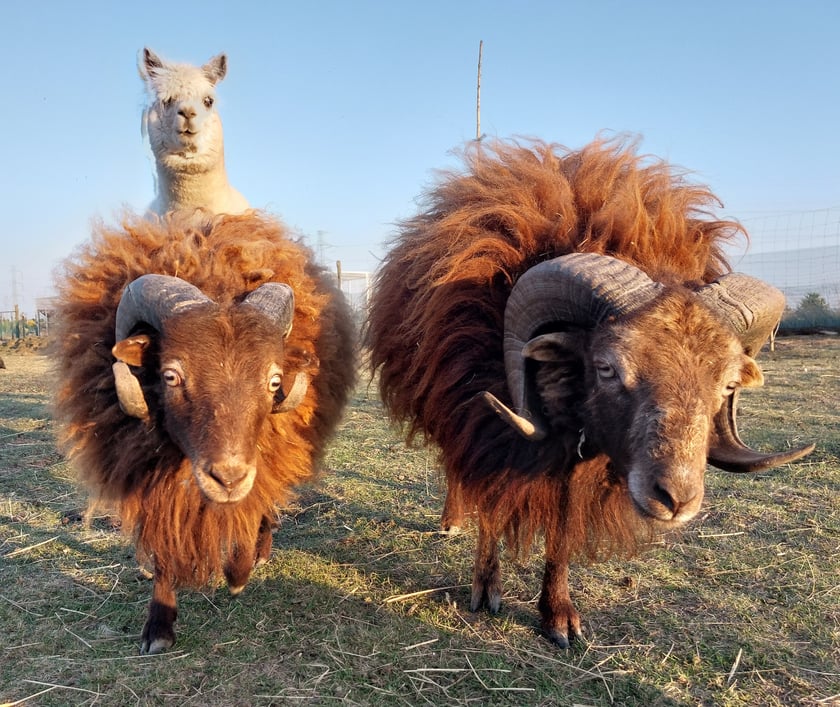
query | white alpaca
[185, 134]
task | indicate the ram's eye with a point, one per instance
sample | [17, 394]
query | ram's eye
[275, 382]
[208, 101]
[605, 370]
[171, 377]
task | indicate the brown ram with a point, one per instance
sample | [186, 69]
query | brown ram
[563, 326]
[203, 366]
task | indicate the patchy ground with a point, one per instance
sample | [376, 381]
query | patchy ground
[364, 603]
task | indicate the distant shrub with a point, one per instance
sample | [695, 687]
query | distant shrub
[813, 312]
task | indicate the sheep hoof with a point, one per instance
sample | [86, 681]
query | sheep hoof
[483, 596]
[158, 633]
[451, 530]
[561, 638]
[158, 645]
[558, 638]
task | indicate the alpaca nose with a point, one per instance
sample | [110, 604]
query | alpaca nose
[187, 112]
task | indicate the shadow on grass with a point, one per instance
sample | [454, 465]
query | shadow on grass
[318, 609]
[24, 406]
[313, 608]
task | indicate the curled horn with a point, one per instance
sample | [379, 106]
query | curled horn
[296, 393]
[750, 306]
[150, 299]
[277, 301]
[129, 392]
[154, 298]
[753, 309]
[580, 289]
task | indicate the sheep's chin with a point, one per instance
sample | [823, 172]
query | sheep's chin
[660, 518]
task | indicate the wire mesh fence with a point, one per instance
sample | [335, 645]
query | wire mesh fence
[798, 252]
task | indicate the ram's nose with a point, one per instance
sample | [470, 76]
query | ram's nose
[675, 500]
[671, 498]
[228, 480]
[228, 477]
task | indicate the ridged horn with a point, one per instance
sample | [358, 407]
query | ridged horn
[728, 451]
[277, 301]
[296, 394]
[580, 289]
[154, 298]
[750, 306]
[129, 392]
[753, 309]
[150, 299]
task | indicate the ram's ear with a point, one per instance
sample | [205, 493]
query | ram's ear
[555, 370]
[751, 376]
[131, 349]
[129, 352]
[554, 347]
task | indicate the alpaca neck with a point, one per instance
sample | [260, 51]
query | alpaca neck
[184, 187]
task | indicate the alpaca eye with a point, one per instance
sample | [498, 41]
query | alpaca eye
[275, 382]
[731, 387]
[171, 377]
[167, 102]
[208, 101]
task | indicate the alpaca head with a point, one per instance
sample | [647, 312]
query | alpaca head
[184, 129]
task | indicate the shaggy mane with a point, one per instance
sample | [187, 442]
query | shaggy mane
[226, 257]
[435, 328]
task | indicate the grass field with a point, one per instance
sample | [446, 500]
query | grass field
[363, 603]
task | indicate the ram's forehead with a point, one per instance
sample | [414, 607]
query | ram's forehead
[676, 327]
[222, 328]
[180, 81]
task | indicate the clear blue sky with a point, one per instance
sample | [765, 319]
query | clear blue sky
[336, 114]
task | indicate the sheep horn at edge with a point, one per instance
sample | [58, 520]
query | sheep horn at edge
[750, 306]
[580, 289]
[728, 452]
[753, 309]
[295, 395]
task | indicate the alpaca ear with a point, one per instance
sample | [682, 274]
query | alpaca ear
[150, 64]
[215, 69]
